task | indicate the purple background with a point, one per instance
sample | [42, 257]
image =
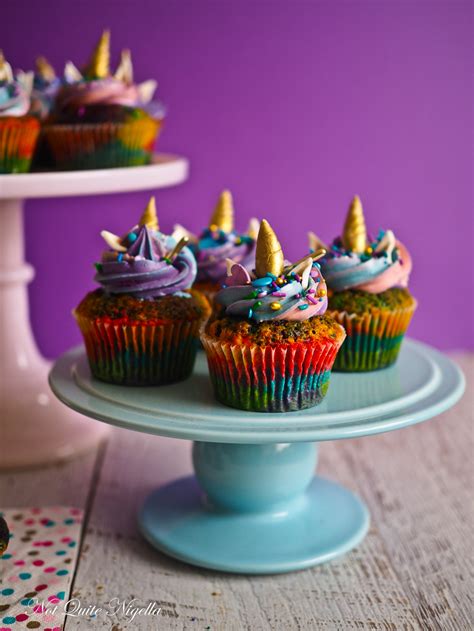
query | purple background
[294, 106]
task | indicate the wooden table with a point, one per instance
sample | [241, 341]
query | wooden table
[413, 570]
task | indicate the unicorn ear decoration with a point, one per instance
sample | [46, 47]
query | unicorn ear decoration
[113, 241]
[223, 216]
[71, 73]
[315, 242]
[269, 254]
[146, 90]
[180, 231]
[354, 236]
[149, 217]
[254, 227]
[26, 80]
[6, 73]
[236, 274]
[124, 70]
[99, 65]
[45, 69]
[387, 243]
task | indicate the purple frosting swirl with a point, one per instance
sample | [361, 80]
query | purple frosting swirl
[143, 270]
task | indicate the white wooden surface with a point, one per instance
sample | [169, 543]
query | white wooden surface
[413, 571]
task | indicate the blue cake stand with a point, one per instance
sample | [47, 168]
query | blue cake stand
[254, 505]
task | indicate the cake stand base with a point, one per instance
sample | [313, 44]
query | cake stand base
[254, 509]
[37, 429]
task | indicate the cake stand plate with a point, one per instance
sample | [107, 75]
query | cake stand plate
[254, 505]
[36, 427]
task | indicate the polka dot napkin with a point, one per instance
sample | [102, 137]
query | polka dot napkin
[37, 567]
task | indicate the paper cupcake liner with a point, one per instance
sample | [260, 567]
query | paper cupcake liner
[141, 354]
[280, 378]
[42, 158]
[209, 291]
[102, 145]
[18, 137]
[373, 340]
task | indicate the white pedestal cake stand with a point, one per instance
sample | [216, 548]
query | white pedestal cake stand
[35, 427]
[254, 505]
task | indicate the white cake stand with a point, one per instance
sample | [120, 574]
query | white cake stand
[35, 427]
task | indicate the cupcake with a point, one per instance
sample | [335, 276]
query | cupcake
[18, 129]
[142, 326]
[46, 85]
[99, 120]
[218, 243]
[367, 279]
[271, 347]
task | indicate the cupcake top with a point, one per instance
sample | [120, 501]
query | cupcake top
[97, 87]
[45, 88]
[358, 261]
[146, 263]
[15, 91]
[276, 290]
[220, 241]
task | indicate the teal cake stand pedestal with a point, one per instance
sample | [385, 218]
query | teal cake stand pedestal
[254, 505]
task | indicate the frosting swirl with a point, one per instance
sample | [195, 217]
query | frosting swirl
[291, 296]
[107, 91]
[384, 264]
[214, 247]
[14, 98]
[144, 269]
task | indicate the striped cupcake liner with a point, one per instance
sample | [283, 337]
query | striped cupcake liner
[18, 137]
[282, 378]
[142, 354]
[102, 145]
[373, 340]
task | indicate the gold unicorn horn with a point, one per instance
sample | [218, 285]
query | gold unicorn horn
[124, 70]
[6, 73]
[223, 216]
[99, 65]
[354, 237]
[269, 255]
[45, 69]
[149, 217]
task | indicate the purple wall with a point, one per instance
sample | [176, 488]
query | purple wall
[294, 106]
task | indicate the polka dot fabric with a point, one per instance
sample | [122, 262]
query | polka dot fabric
[37, 567]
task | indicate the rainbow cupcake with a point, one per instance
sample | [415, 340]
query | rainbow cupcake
[367, 279]
[142, 327]
[18, 130]
[271, 347]
[218, 243]
[46, 85]
[100, 120]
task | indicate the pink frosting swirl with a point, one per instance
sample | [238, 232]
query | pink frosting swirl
[397, 275]
[108, 91]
